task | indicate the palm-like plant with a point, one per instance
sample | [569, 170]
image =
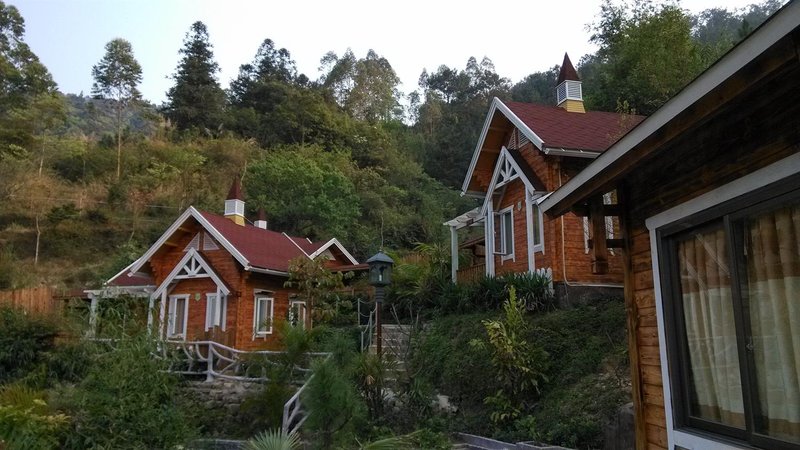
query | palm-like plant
[273, 440]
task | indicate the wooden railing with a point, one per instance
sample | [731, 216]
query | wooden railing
[471, 274]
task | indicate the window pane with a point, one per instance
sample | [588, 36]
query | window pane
[772, 252]
[537, 238]
[508, 234]
[714, 382]
[180, 306]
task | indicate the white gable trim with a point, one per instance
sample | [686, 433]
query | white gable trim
[338, 245]
[191, 256]
[504, 157]
[190, 212]
[295, 244]
[496, 105]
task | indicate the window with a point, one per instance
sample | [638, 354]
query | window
[731, 279]
[297, 313]
[537, 227]
[507, 234]
[262, 317]
[178, 315]
[216, 310]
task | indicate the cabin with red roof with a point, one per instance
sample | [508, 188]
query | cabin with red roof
[213, 277]
[525, 152]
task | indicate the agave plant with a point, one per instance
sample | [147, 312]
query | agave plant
[273, 440]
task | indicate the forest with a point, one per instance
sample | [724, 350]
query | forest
[87, 182]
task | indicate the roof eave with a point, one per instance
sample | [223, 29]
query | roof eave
[602, 169]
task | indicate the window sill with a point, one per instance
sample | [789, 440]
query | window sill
[538, 249]
[698, 440]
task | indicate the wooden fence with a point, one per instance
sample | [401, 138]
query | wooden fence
[37, 300]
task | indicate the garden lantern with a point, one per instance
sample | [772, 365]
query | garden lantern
[380, 276]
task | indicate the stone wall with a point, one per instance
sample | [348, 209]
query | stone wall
[221, 394]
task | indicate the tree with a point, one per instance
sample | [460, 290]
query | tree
[366, 88]
[116, 77]
[646, 55]
[196, 100]
[537, 87]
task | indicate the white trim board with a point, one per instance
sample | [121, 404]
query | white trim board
[504, 156]
[775, 172]
[778, 26]
[338, 245]
[191, 254]
[496, 105]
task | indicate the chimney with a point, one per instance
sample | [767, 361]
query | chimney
[261, 222]
[234, 204]
[569, 94]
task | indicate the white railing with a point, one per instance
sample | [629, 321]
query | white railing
[217, 361]
[368, 331]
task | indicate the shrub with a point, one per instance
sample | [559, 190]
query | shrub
[534, 290]
[127, 401]
[26, 421]
[23, 340]
[273, 440]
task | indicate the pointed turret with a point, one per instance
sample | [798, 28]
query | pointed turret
[234, 204]
[569, 94]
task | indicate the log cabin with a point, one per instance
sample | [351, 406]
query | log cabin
[708, 196]
[526, 151]
[212, 277]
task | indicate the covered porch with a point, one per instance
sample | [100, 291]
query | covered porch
[468, 247]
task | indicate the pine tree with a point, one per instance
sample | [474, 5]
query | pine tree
[196, 101]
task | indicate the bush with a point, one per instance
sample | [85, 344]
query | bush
[26, 421]
[127, 401]
[24, 338]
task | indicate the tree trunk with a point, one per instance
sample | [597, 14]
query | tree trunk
[38, 237]
[119, 139]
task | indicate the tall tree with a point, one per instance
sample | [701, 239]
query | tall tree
[366, 88]
[646, 54]
[196, 100]
[116, 77]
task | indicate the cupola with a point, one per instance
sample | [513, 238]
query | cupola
[569, 94]
[234, 204]
[261, 222]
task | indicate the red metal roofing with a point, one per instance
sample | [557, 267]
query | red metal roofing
[559, 128]
[265, 249]
[123, 280]
[567, 71]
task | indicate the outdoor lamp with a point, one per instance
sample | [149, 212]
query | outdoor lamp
[380, 269]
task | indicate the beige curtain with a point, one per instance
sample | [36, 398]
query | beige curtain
[710, 329]
[773, 263]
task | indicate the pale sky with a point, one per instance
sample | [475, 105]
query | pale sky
[521, 37]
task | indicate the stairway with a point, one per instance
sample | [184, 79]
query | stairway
[396, 343]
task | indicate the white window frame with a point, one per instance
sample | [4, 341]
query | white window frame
[539, 218]
[775, 172]
[505, 253]
[214, 316]
[259, 297]
[171, 320]
[301, 306]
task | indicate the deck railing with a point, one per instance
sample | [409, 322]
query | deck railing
[471, 274]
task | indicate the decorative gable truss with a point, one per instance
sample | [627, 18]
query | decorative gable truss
[191, 266]
[506, 170]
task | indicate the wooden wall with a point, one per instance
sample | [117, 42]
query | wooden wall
[751, 132]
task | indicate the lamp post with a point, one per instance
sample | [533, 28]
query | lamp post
[380, 276]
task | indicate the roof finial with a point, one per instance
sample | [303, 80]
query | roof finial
[235, 193]
[567, 71]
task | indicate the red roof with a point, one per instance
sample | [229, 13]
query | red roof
[559, 128]
[265, 249]
[123, 280]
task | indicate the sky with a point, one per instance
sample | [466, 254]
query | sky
[520, 37]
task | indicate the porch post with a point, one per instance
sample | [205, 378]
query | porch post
[454, 254]
[93, 315]
[161, 325]
[490, 238]
[150, 305]
[529, 225]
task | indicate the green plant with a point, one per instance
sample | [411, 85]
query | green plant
[519, 365]
[273, 440]
[26, 421]
[534, 290]
[370, 373]
[334, 404]
[128, 401]
[24, 339]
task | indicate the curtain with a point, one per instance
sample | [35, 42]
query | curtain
[714, 377]
[773, 272]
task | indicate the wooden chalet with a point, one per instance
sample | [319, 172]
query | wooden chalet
[525, 152]
[212, 277]
[708, 195]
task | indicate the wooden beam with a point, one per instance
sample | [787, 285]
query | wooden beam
[614, 210]
[188, 230]
[170, 244]
[598, 223]
[632, 325]
[610, 243]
